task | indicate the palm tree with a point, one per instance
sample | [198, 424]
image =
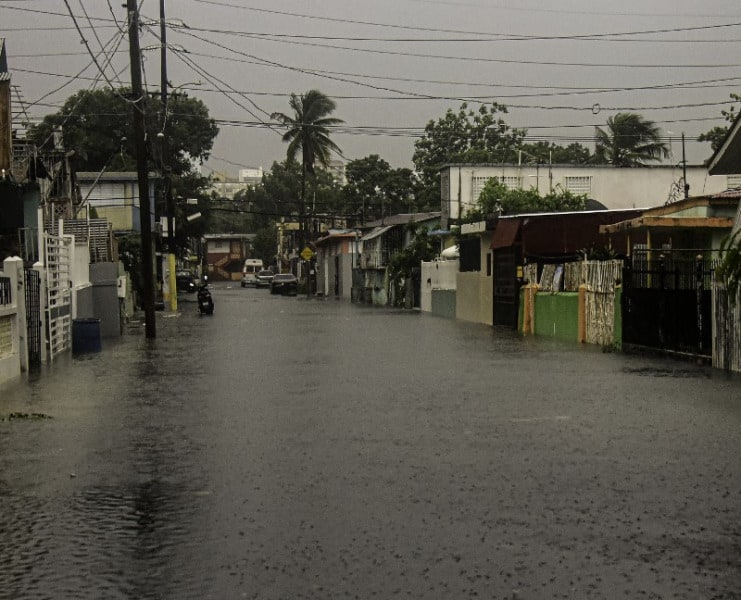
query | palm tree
[630, 141]
[308, 132]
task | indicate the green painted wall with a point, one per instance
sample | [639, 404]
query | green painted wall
[557, 315]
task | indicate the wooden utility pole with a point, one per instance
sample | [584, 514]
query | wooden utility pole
[145, 210]
[169, 208]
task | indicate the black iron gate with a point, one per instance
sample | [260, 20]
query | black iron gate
[33, 318]
[666, 305]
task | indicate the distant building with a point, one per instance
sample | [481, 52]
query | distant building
[225, 254]
[114, 196]
[226, 186]
[337, 169]
[613, 187]
[251, 177]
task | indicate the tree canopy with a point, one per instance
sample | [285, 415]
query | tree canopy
[308, 128]
[495, 197]
[373, 188]
[98, 126]
[629, 140]
[718, 133]
[474, 136]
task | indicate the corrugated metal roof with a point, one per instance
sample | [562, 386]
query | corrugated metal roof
[375, 233]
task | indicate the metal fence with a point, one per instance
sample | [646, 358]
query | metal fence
[5, 291]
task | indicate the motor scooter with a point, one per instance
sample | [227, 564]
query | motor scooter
[205, 301]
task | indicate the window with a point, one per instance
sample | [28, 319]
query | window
[512, 183]
[734, 181]
[478, 185]
[470, 254]
[580, 185]
[488, 264]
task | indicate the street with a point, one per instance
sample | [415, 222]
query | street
[288, 448]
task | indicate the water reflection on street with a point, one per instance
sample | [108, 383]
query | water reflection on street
[291, 448]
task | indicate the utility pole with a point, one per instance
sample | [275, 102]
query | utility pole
[684, 171]
[141, 169]
[171, 280]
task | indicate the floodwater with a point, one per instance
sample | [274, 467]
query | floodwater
[289, 448]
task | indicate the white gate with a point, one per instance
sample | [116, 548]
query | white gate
[57, 259]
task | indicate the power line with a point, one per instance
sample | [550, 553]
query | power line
[438, 30]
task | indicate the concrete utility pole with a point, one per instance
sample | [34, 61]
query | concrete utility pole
[145, 213]
[171, 280]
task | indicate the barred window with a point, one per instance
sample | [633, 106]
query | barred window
[580, 185]
[512, 182]
[478, 185]
[734, 181]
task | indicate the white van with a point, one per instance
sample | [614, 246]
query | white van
[249, 271]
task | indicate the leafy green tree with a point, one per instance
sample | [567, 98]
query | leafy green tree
[629, 141]
[265, 245]
[98, 126]
[480, 136]
[373, 188]
[717, 134]
[307, 132]
[549, 153]
[497, 197]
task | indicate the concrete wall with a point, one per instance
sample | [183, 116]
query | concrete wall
[104, 276]
[436, 275]
[11, 321]
[443, 303]
[475, 297]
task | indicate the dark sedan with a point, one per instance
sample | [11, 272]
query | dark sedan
[185, 281]
[284, 283]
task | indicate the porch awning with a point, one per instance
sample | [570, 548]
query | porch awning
[669, 222]
[375, 233]
[505, 233]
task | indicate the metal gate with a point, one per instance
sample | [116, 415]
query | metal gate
[33, 318]
[667, 305]
[57, 258]
[506, 288]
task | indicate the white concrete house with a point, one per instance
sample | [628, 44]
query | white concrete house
[613, 187]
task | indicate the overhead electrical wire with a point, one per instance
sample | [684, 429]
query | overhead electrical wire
[457, 31]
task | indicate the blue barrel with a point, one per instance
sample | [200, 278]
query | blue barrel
[85, 335]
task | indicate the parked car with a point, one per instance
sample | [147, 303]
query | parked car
[284, 283]
[185, 282]
[263, 278]
[252, 266]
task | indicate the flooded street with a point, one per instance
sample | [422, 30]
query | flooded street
[288, 448]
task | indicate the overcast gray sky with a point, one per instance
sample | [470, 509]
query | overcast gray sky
[392, 65]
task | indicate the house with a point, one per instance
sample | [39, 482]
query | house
[380, 242]
[336, 256]
[541, 239]
[612, 187]
[114, 196]
[683, 228]
[726, 318]
[225, 254]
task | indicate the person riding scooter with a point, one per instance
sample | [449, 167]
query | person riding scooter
[205, 302]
